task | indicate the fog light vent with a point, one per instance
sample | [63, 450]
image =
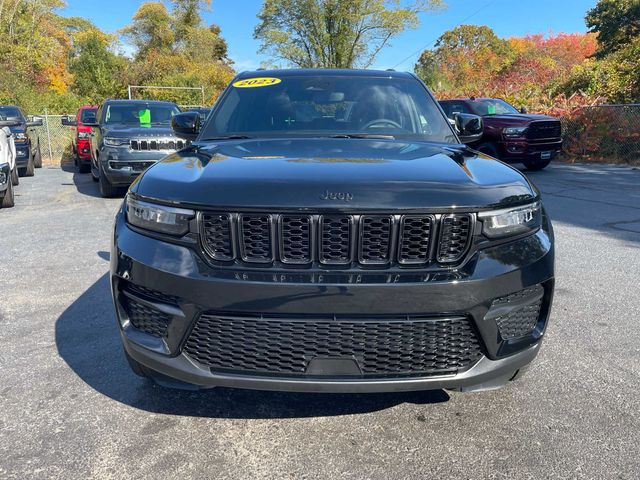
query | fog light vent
[517, 315]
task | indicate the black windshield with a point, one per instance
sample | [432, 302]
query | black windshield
[139, 113]
[329, 105]
[88, 115]
[7, 112]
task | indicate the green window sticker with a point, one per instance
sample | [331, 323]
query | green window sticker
[491, 109]
[145, 116]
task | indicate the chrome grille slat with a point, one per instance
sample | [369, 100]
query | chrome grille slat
[371, 240]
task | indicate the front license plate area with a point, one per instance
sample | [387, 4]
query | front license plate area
[545, 155]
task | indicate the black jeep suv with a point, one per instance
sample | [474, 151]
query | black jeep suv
[329, 231]
[127, 137]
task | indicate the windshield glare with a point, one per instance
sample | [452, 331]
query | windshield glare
[491, 107]
[330, 105]
[140, 114]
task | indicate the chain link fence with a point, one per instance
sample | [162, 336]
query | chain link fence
[55, 139]
[608, 133]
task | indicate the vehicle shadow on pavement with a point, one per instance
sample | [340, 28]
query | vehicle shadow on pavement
[83, 181]
[88, 340]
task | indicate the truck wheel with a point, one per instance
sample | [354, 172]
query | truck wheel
[535, 165]
[8, 200]
[488, 149]
[15, 179]
[27, 171]
[37, 158]
[107, 189]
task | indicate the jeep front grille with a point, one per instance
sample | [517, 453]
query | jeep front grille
[395, 346]
[373, 241]
[160, 144]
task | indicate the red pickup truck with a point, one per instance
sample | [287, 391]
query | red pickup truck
[511, 135]
[82, 139]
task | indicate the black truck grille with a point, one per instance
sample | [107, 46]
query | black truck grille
[522, 320]
[404, 346]
[371, 240]
[544, 130]
[160, 144]
[146, 318]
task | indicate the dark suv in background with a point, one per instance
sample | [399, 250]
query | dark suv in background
[129, 136]
[511, 135]
[26, 139]
[329, 231]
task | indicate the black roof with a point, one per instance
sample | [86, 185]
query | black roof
[318, 72]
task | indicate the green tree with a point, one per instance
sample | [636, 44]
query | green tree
[334, 33]
[151, 30]
[187, 16]
[465, 58]
[96, 69]
[617, 23]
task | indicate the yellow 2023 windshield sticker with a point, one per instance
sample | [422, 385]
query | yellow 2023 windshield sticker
[256, 82]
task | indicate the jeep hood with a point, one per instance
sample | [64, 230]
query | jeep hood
[298, 173]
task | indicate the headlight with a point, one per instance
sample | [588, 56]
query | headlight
[115, 142]
[20, 137]
[88, 135]
[514, 131]
[158, 218]
[513, 221]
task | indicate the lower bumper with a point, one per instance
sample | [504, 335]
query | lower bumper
[484, 375]
[522, 151]
[189, 287]
[122, 168]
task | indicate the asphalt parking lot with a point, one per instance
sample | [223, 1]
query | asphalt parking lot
[70, 408]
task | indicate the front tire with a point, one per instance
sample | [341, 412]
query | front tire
[8, 200]
[107, 189]
[27, 171]
[37, 158]
[15, 179]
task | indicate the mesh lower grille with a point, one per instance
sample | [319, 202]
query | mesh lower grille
[389, 347]
[146, 318]
[149, 294]
[521, 321]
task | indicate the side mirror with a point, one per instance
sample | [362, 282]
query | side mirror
[10, 122]
[35, 122]
[186, 125]
[523, 110]
[470, 127]
[69, 121]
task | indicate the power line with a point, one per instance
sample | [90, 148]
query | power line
[435, 39]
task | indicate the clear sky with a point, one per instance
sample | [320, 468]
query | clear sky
[237, 18]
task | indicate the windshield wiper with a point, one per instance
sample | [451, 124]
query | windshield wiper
[363, 135]
[228, 137]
